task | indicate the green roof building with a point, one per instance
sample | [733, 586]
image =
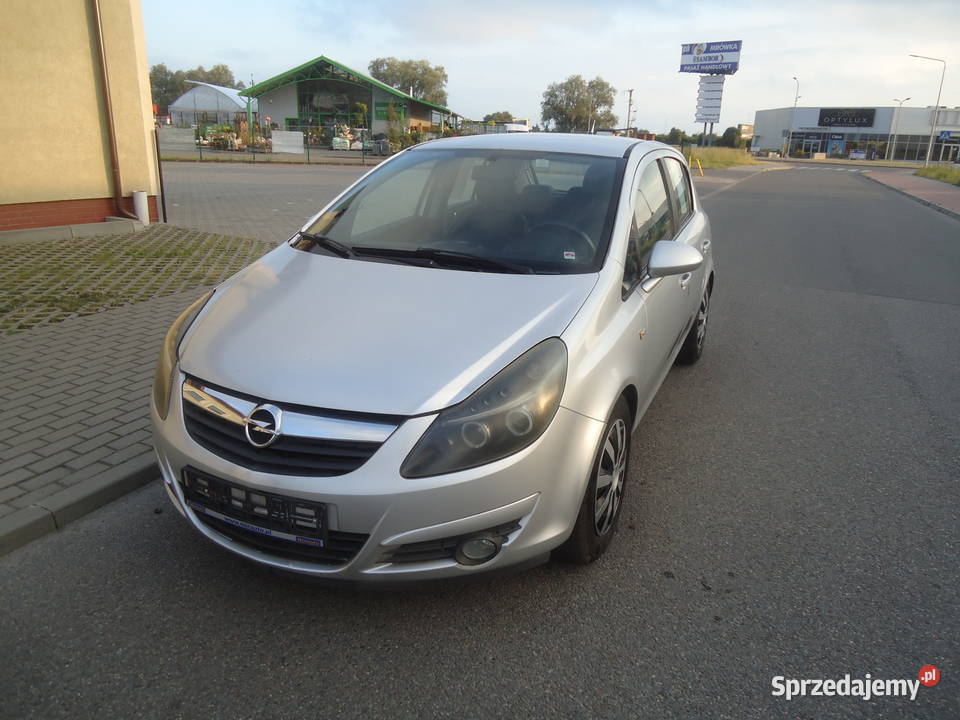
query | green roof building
[322, 93]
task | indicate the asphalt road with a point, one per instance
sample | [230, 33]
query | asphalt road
[793, 510]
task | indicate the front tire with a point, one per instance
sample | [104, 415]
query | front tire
[603, 501]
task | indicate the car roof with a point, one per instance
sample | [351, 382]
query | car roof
[580, 144]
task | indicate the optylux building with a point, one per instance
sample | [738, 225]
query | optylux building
[323, 92]
[875, 132]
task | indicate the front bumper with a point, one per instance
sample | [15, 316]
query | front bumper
[540, 487]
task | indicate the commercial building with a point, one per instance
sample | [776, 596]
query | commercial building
[900, 133]
[206, 104]
[88, 144]
[323, 93]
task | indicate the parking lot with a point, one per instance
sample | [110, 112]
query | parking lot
[792, 512]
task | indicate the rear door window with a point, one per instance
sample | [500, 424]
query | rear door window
[679, 181]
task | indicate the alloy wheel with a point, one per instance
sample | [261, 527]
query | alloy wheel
[702, 317]
[610, 477]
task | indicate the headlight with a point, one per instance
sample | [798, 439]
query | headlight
[504, 416]
[167, 364]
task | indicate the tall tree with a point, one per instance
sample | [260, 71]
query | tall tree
[576, 105]
[167, 85]
[675, 136]
[504, 116]
[730, 137]
[417, 77]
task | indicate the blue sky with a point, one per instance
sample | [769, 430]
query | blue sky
[502, 55]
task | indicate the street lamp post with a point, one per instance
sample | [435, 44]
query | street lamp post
[892, 151]
[793, 116]
[936, 109]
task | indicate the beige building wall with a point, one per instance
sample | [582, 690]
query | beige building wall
[56, 147]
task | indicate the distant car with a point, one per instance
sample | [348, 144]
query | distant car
[439, 375]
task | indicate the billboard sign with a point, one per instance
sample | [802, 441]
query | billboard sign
[846, 117]
[714, 58]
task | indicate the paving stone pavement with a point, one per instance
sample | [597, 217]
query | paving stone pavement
[267, 202]
[76, 400]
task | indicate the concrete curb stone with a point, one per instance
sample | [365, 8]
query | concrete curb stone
[54, 512]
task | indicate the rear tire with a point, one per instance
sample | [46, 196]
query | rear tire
[603, 501]
[692, 347]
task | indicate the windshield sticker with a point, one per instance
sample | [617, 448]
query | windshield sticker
[541, 163]
[569, 255]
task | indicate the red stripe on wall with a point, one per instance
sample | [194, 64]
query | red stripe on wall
[20, 216]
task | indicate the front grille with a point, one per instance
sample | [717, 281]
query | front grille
[444, 548]
[304, 521]
[215, 421]
[343, 546]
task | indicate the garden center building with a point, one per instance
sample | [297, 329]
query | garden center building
[323, 93]
[900, 133]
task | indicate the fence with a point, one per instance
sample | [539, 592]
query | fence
[284, 146]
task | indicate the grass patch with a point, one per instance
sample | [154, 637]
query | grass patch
[43, 282]
[939, 172]
[719, 157]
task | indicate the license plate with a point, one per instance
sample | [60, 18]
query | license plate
[255, 511]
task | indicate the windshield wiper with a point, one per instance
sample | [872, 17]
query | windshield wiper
[448, 258]
[327, 243]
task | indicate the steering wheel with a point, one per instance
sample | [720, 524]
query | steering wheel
[582, 242]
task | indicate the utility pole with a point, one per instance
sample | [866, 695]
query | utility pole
[892, 151]
[629, 109]
[936, 108]
[793, 116]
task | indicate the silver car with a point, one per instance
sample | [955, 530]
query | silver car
[439, 375]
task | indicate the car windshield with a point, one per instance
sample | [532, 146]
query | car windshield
[489, 210]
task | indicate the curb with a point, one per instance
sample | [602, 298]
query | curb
[119, 226]
[54, 512]
[929, 203]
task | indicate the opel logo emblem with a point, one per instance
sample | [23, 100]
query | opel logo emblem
[262, 425]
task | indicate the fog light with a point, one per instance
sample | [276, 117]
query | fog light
[476, 550]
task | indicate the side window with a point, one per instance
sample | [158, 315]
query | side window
[632, 272]
[463, 184]
[652, 217]
[398, 197]
[680, 183]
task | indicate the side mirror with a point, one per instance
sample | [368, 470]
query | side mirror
[670, 257]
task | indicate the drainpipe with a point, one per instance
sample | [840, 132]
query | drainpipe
[111, 131]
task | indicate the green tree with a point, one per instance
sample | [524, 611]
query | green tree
[167, 85]
[730, 137]
[676, 136]
[504, 116]
[576, 105]
[417, 77]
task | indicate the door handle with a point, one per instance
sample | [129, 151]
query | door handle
[685, 280]
[706, 245]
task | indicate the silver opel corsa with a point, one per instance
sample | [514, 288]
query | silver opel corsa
[439, 375]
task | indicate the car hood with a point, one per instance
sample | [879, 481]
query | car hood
[372, 337]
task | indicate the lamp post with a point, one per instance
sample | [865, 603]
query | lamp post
[892, 151]
[936, 109]
[793, 116]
